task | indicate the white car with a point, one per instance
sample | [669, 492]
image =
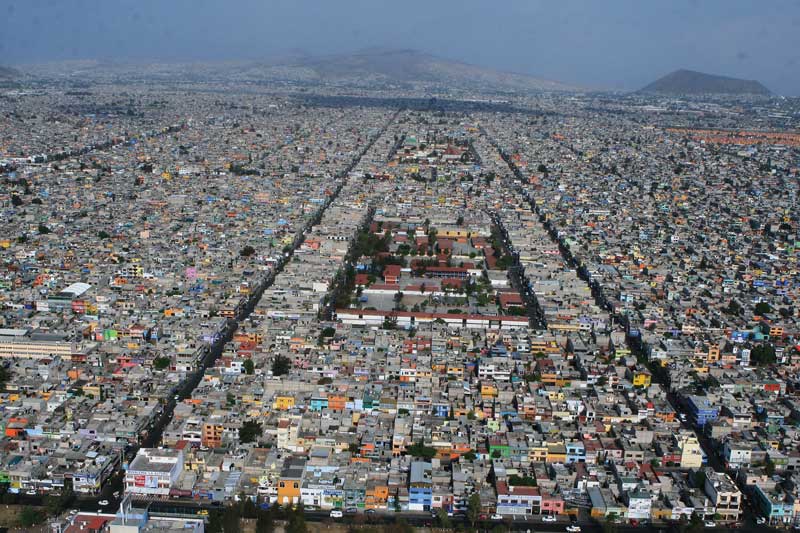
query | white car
[549, 518]
[103, 503]
[709, 523]
[336, 513]
[496, 516]
[574, 529]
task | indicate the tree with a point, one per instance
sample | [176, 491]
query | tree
[521, 481]
[248, 507]
[231, 520]
[443, 520]
[474, 508]
[762, 308]
[31, 516]
[5, 375]
[763, 354]
[249, 367]
[281, 365]
[103, 234]
[247, 251]
[699, 479]
[733, 308]
[16, 201]
[418, 449]
[608, 524]
[297, 521]
[160, 363]
[695, 523]
[250, 431]
[469, 456]
[264, 522]
[55, 505]
[43, 230]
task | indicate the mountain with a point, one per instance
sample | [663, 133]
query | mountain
[7, 73]
[404, 69]
[411, 67]
[691, 82]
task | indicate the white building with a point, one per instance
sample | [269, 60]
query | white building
[153, 471]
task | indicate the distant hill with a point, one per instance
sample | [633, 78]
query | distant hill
[692, 82]
[414, 67]
[364, 69]
[7, 73]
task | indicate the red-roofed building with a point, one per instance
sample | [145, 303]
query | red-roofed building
[391, 274]
[452, 283]
[510, 299]
[89, 523]
[513, 500]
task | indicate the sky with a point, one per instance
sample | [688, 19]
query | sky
[608, 44]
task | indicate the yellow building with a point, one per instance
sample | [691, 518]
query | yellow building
[289, 483]
[283, 403]
[641, 378]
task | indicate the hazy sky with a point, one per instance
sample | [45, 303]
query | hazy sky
[599, 43]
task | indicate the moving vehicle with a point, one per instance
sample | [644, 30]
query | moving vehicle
[336, 513]
[761, 521]
[202, 512]
[574, 529]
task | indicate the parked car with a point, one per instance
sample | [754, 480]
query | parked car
[336, 513]
[103, 503]
[496, 516]
[549, 518]
[574, 529]
[761, 520]
[709, 523]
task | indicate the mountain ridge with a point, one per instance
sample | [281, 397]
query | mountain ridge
[364, 68]
[692, 82]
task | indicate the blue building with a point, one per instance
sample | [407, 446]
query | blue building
[576, 452]
[701, 410]
[776, 506]
[420, 486]
[319, 403]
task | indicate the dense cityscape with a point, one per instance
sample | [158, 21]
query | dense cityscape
[230, 304]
